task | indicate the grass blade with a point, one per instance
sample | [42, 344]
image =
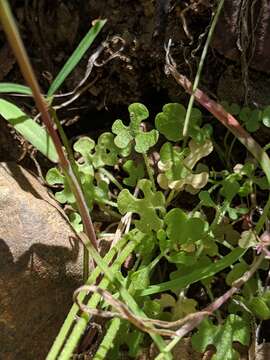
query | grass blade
[76, 56]
[15, 88]
[29, 129]
[116, 279]
[200, 67]
[196, 275]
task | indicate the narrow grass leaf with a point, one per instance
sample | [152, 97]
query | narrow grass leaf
[76, 56]
[75, 331]
[200, 273]
[15, 88]
[29, 129]
[116, 279]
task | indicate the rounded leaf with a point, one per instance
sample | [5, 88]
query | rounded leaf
[245, 113]
[234, 109]
[54, 177]
[170, 121]
[123, 136]
[266, 116]
[84, 145]
[138, 112]
[260, 308]
[145, 140]
[206, 199]
[135, 171]
[248, 239]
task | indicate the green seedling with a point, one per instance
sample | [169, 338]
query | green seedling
[125, 135]
[222, 337]
[135, 172]
[172, 244]
[176, 166]
[147, 208]
[170, 123]
[252, 119]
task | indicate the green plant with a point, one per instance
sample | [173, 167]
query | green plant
[184, 238]
[252, 119]
[198, 242]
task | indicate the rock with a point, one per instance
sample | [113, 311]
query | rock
[243, 30]
[40, 266]
[231, 88]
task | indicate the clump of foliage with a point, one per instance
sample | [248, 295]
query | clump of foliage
[197, 243]
[252, 119]
[190, 226]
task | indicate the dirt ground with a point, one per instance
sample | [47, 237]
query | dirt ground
[52, 29]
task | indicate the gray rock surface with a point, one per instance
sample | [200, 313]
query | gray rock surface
[40, 266]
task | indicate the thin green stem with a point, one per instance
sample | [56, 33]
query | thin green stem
[266, 147]
[168, 348]
[170, 197]
[230, 151]
[111, 178]
[263, 218]
[81, 324]
[115, 215]
[219, 151]
[108, 202]
[149, 171]
[200, 67]
[115, 323]
[116, 279]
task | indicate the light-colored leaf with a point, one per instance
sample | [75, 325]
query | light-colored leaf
[248, 239]
[146, 207]
[126, 135]
[15, 88]
[266, 116]
[29, 129]
[176, 167]
[197, 152]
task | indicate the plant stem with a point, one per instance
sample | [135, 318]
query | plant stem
[111, 178]
[113, 328]
[115, 323]
[201, 63]
[116, 279]
[15, 42]
[170, 197]
[149, 171]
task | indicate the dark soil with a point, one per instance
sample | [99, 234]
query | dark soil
[52, 29]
